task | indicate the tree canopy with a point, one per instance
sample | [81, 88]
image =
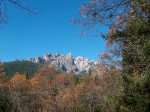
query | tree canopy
[128, 39]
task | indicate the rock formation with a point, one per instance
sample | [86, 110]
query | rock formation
[66, 63]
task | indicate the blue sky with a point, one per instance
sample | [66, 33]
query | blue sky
[27, 36]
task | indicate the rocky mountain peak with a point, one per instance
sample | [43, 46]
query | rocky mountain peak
[56, 55]
[69, 56]
[66, 63]
[47, 56]
[79, 58]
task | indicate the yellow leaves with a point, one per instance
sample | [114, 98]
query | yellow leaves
[19, 80]
[67, 94]
[53, 94]
[65, 79]
[48, 71]
[35, 80]
[19, 77]
[61, 78]
[67, 97]
[39, 83]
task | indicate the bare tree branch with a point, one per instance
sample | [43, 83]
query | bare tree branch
[18, 3]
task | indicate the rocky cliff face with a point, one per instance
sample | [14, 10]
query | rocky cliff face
[66, 63]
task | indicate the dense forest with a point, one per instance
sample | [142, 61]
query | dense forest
[27, 67]
[121, 82]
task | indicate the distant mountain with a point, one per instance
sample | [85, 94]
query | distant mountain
[66, 63]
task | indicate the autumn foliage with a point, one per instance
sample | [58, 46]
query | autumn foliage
[119, 84]
[49, 91]
[127, 48]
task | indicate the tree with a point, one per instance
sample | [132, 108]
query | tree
[30, 68]
[88, 96]
[128, 38]
[135, 55]
[136, 97]
[41, 88]
[2, 74]
[6, 104]
[17, 3]
[19, 88]
[116, 15]
[112, 13]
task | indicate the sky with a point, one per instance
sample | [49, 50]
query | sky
[31, 35]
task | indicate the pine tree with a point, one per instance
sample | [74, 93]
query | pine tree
[6, 104]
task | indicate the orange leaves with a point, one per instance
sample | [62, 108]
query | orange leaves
[40, 83]
[38, 80]
[48, 91]
[67, 97]
[102, 12]
[135, 72]
[18, 77]
[47, 70]
[43, 76]
[19, 81]
[61, 78]
[35, 80]
[131, 11]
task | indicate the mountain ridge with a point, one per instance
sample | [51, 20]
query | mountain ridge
[66, 62]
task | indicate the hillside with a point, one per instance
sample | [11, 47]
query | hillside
[10, 68]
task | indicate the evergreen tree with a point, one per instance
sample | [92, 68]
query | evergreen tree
[6, 104]
[30, 68]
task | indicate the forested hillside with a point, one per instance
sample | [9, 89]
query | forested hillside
[27, 67]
